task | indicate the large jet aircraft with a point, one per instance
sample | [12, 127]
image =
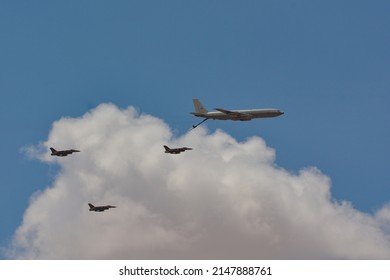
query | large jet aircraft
[63, 153]
[175, 150]
[235, 115]
[99, 208]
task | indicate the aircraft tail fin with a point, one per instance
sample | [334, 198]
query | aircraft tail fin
[199, 108]
[91, 206]
[166, 148]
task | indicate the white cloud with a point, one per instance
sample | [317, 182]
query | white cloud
[223, 200]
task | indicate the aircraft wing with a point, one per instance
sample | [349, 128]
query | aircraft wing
[66, 152]
[232, 113]
[179, 150]
[103, 208]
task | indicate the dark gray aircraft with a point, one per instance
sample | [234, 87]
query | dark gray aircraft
[175, 150]
[99, 208]
[235, 115]
[63, 153]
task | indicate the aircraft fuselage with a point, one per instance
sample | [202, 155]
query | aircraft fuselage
[240, 115]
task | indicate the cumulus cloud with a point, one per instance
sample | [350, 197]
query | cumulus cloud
[223, 200]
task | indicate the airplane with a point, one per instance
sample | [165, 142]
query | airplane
[99, 208]
[175, 150]
[235, 115]
[63, 153]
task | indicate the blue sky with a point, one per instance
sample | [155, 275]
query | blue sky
[324, 63]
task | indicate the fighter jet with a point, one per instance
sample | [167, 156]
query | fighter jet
[63, 153]
[235, 115]
[175, 150]
[99, 208]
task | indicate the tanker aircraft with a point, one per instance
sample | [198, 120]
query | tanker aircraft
[235, 115]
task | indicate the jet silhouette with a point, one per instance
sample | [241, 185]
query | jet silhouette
[175, 150]
[99, 208]
[63, 153]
